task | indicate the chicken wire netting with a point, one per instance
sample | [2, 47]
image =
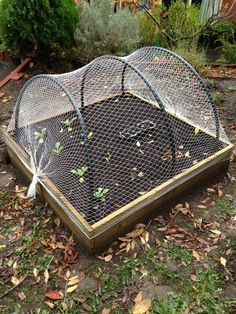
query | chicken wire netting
[115, 129]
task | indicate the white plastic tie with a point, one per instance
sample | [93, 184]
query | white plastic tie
[32, 188]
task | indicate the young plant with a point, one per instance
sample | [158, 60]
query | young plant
[68, 123]
[100, 193]
[89, 137]
[58, 148]
[40, 135]
[80, 172]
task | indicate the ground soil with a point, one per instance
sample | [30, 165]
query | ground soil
[30, 231]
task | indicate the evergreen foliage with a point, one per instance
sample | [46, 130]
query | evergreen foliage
[45, 25]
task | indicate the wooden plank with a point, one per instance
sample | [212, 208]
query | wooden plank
[126, 211]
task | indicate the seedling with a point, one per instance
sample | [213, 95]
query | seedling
[80, 172]
[100, 193]
[58, 148]
[40, 135]
[89, 137]
[68, 123]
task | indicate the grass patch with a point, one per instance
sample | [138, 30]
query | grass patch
[131, 267]
[225, 206]
[173, 305]
[178, 254]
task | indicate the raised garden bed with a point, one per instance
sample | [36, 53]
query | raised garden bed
[113, 152]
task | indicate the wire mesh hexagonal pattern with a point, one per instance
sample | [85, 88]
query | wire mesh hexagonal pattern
[115, 129]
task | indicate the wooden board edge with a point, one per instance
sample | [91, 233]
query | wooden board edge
[127, 210]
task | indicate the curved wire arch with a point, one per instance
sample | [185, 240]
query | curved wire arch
[196, 75]
[76, 107]
[148, 84]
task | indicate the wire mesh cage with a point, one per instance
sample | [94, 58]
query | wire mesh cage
[115, 129]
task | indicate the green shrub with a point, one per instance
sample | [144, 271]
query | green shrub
[179, 26]
[227, 52]
[196, 57]
[44, 25]
[148, 30]
[222, 30]
[101, 31]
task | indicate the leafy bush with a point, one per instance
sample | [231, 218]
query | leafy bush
[178, 26]
[228, 52]
[101, 31]
[222, 30]
[148, 30]
[196, 57]
[42, 24]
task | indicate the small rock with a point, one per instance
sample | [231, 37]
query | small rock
[172, 266]
[162, 292]
[88, 283]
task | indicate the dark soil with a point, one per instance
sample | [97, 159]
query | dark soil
[162, 152]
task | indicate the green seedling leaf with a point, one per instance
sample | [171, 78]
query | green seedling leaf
[196, 130]
[100, 193]
[2, 247]
[74, 171]
[90, 135]
[80, 172]
[58, 148]
[39, 135]
[68, 123]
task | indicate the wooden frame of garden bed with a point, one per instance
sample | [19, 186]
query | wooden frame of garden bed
[96, 236]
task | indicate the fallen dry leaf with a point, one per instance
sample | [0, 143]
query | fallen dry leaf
[135, 233]
[15, 280]
[106, 311]
[215, 231]
[196, 255]
[54, 295]
[195, 289]
[142, 307]
[139, 297]
[73, 281]
[194, 278]
[57, 222]
[49, 304]
[108, 258]
[21, 295]
[6, 99]
[220, 192]
[223, 261]
[201, 206]
[46, 276]
[71, 289]
[35, 272]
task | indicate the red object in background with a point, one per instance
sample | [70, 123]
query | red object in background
[229, 9]
[4, 55]
[14, 75]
